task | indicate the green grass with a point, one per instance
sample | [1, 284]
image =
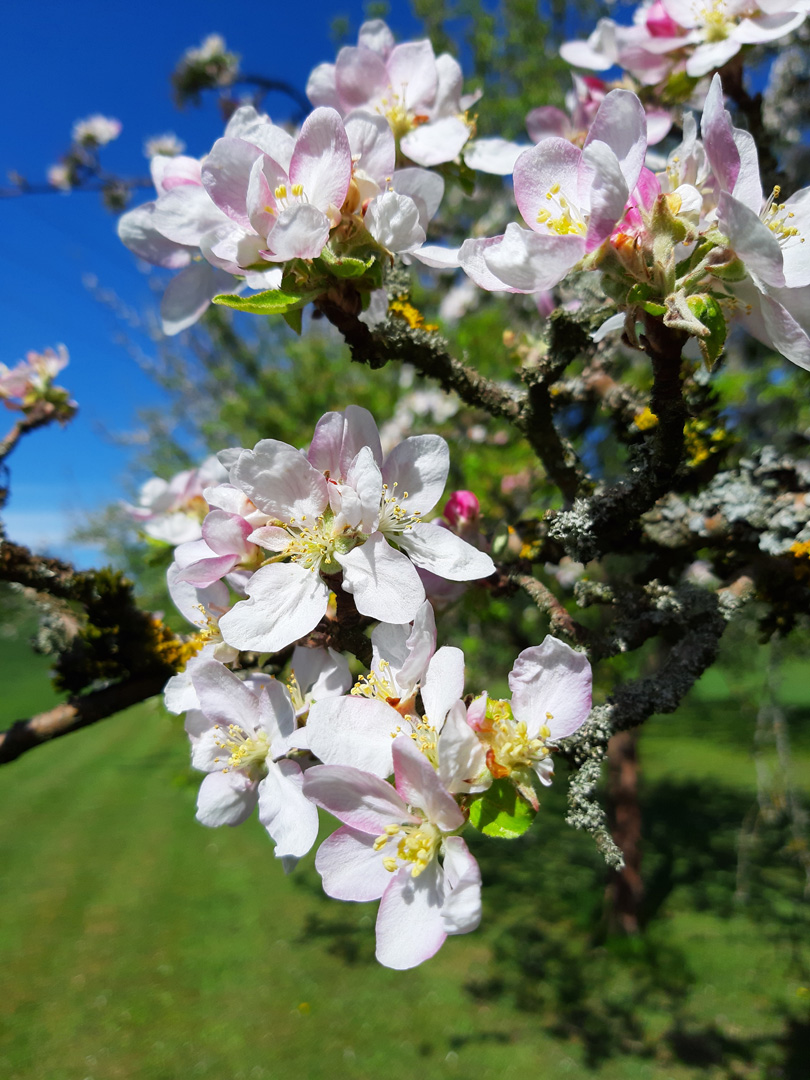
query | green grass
[134, 943]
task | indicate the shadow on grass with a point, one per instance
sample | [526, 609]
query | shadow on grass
[552, 955]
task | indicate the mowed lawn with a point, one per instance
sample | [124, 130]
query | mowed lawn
[134, 943]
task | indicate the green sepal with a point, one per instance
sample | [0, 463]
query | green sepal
[269, 302]
[501, 812]
[345, 266]
[706, 308]
[639, 295]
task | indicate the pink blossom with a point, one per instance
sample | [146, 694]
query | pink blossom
[397, 844]
[418, 93]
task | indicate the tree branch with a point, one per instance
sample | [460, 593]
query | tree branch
[76, 713]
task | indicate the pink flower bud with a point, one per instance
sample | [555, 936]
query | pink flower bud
[660, 23]
[461, 508]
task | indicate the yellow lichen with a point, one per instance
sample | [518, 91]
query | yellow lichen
[645, 420]
[412, 315]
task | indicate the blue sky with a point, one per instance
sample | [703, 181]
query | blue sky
[63, 62]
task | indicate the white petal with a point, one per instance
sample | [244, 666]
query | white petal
[280, 481]
[384, 583]
[462, 759]
[225, 799]
[289, 817]
[419, 785]
[354, 731]
[410, 928]
[419, 467]
[365, 802]
[443, 684]
[284, 603]
[223, 697]
[551, 678]
[350, 867]
[461, 911]
[445, 554]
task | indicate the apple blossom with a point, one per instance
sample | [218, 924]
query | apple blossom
[239, 738]
[96, 130]
[551, 698]
[390, 847]
[172, 510]
[342, 509]
[418, 93]
[571, 199]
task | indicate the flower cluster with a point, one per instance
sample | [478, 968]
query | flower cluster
[671, 36]
[30, 383]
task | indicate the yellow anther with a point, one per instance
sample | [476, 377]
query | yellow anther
[390, 864]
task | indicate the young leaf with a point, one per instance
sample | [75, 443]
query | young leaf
[500, 811]
[270, 302]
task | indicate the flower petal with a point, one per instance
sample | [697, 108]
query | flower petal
[365, 802]
[419, 785]
[280, 481]
[410, 928]
[286, 813]
[445, 554]
[350, 867]
[418, 466]
[383, 581]
[551, 678]
[354, 731]
[225, 799]
[285, 601]
[461, 911]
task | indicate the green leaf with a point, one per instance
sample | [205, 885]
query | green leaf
[500, 811]
[706, 308]
[293, 317]
[269, 302]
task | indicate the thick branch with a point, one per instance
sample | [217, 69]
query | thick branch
[76, 713]
[39, 572]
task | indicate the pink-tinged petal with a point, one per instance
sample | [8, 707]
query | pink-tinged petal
[364, 479]
[419, 466]
[752, 240]
[229, 247]
[289, 817]
[188, 599]
[437, 142]
[477, 712]
[419, 785]
[280, 481]
[646, 190]
[461, 911]
[621, 124]
[608, 192]
[443, 684]
[170, 172]
[445, 554]
[497, 157]
[598, 53]
[188, 295]
[547, 122]
[260, 199]
[718, 137]
[409, 923]
[207, 754]
[360, 76]
[393, 221]
[553, 163]
[424, 187]
[299, 233]
[186, 213]
[462, 758]
[137, 230]
[285, 601]
[354, 731]
[322, 88]
[783, 330]
[412, 72]
[659, 123]
[375, 35]
[322, 160]
[350, 867]
[224, 698]
[207, 571]
[365, 802]
[226, 533]
[254, 127]
[225, 799]
[448, 100]
[551, 678]
[372, 144]
[360, 430]
[226, 175]
[527, 262]
[384, 583]
[327, 441]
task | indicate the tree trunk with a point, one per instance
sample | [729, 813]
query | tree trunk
[626, 889]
